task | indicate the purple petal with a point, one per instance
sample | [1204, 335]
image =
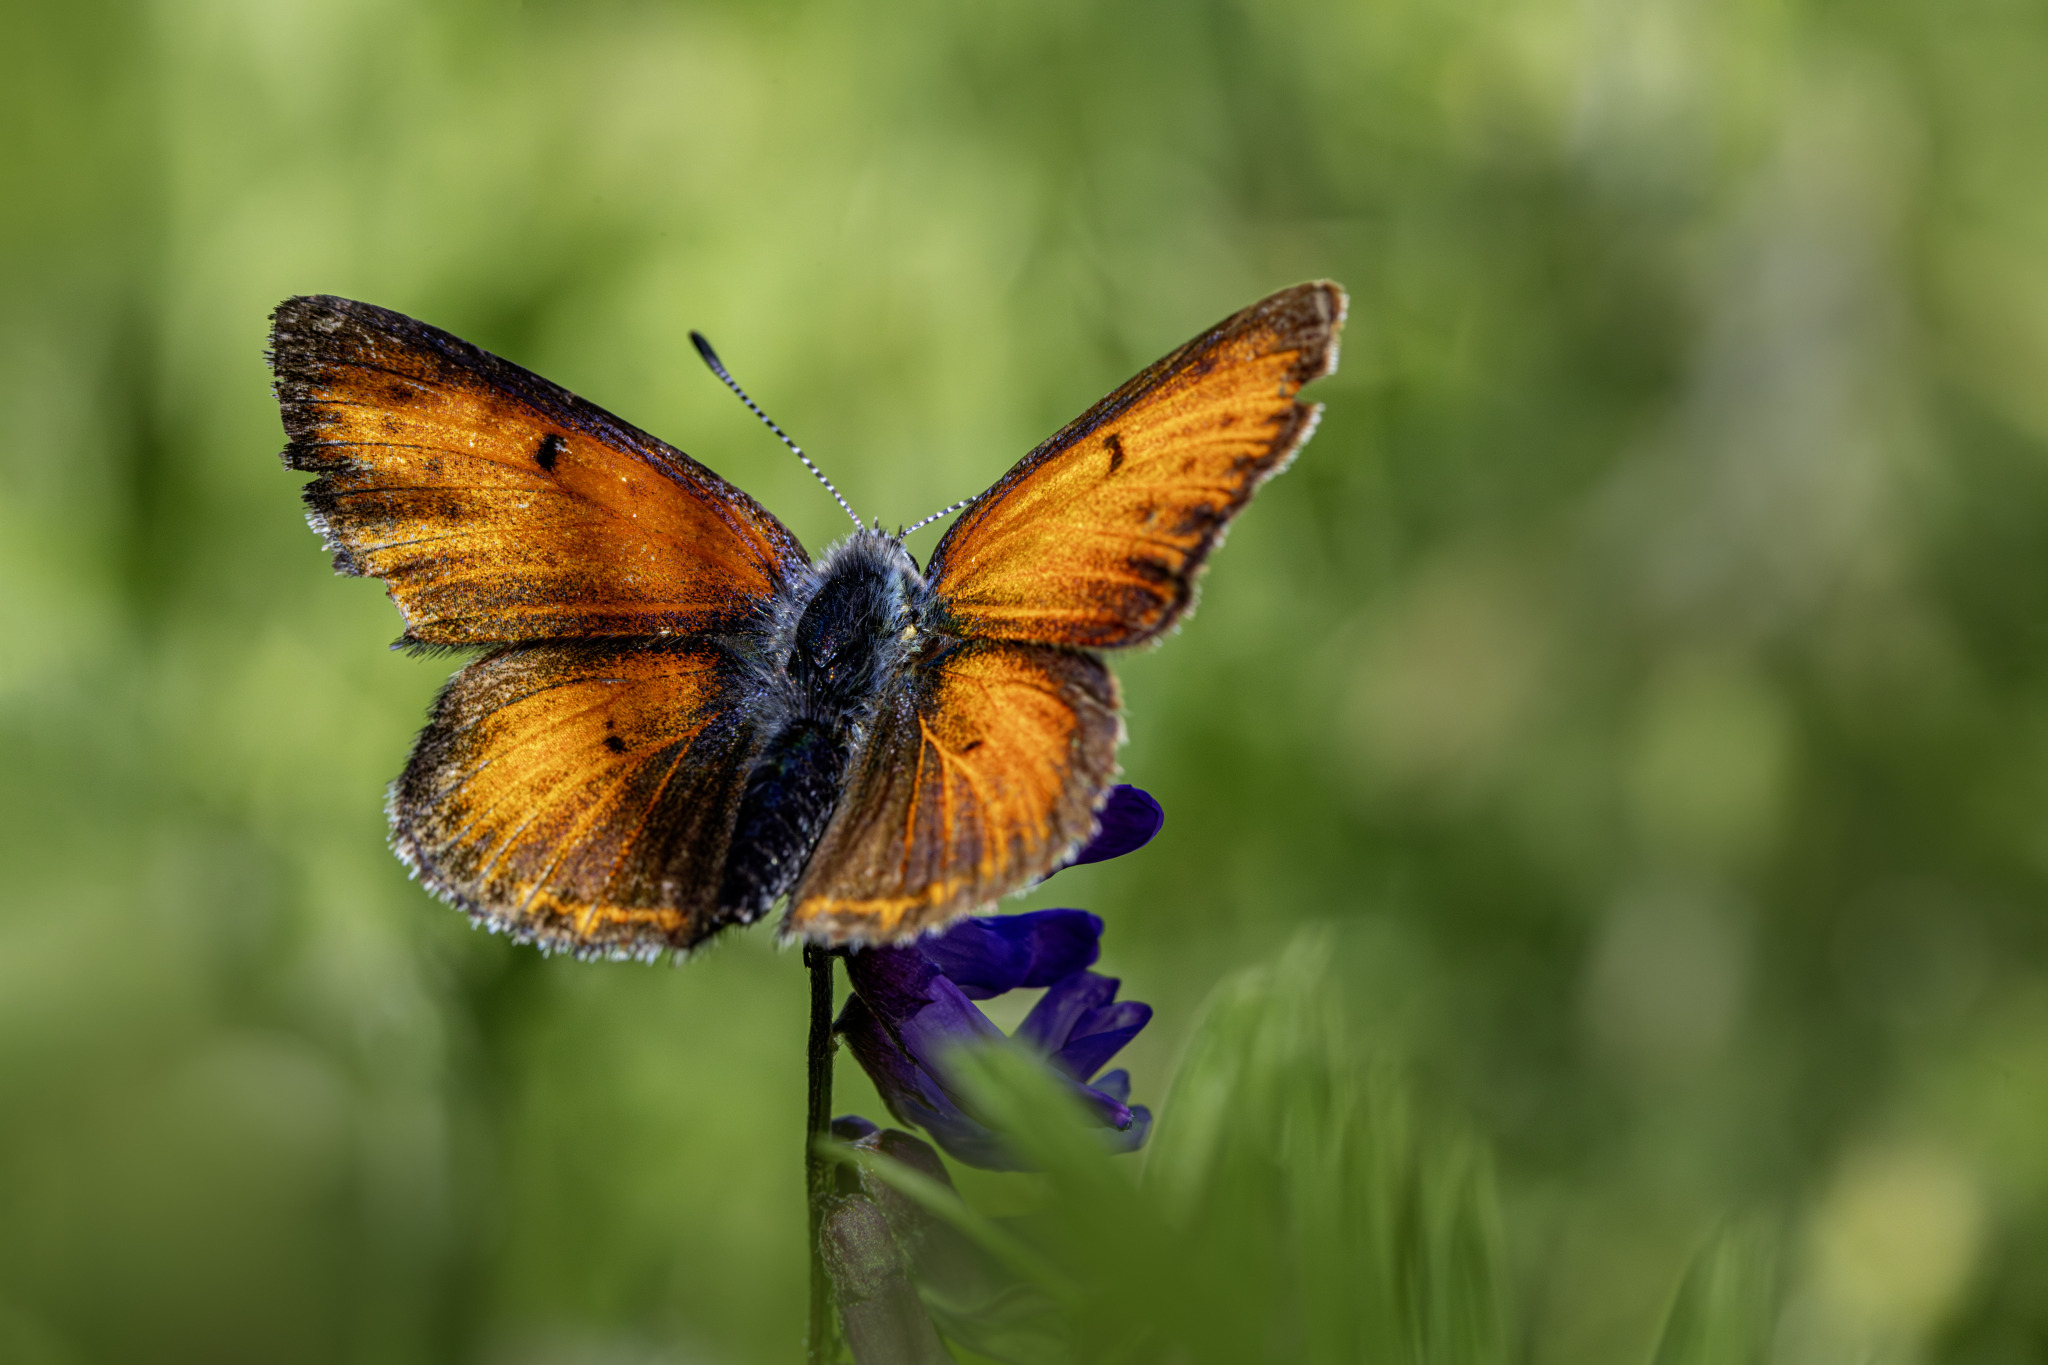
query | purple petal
[1099, 1035]
[1128, 820]
[1053, 1018]
[917, 1098]
[947, 1020]
[913, 1001]
[969, 1142]
[894, 981]
[990, 954]
[914, 1095]
[1133, 1137]
[1115, 1084]
[901, 1020]
[902, 1083]
[1113, 1112]
[852, 1128]
[901, 1147]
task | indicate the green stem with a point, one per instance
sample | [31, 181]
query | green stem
[821, 1346]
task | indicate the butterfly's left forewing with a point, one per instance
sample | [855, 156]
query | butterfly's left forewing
[1095, 538]
[981, 771]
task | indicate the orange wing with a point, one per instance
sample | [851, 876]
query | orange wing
[1095, 538]
[579, 794]
[498, 507]
[980, 775]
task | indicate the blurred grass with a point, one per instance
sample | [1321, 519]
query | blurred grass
[1643, 676]
[1292, 1208]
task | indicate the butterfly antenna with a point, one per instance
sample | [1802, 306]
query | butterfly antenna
[718, 368]
[942, 512]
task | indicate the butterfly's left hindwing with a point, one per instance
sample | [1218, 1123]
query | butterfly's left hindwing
[1095, 538]
[982, 770]
[580, 795]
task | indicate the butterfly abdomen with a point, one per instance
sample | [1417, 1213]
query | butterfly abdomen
[788, 798]
[848, 642]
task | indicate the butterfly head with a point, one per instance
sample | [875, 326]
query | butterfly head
[867, 612]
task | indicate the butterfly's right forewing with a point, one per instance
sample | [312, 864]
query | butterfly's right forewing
[981, 771]
[498, 507]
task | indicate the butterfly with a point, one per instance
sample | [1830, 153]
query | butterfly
[676, 718]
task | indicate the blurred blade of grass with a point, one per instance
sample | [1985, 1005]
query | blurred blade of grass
[937, 1199]
[1293, 1208]
[1728, 1302]
[1380, 1227]
[984, 1288]
[1094, 1225]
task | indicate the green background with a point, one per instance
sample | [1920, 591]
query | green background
[1643, 676]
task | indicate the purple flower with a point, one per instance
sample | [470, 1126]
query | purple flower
[913, 1005]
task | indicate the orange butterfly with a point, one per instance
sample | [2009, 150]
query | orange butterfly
[678, 718]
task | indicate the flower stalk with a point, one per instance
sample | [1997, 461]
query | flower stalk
[819, 1340]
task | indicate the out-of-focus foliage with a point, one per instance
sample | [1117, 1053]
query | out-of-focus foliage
[1294, 1209]
[1291, 1211]
[1728, 1301]
[1643, 676]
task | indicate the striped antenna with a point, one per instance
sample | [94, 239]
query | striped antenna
[718, 368]
[942, 512]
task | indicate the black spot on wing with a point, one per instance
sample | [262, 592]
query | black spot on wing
[551, 448]
[1115, 445]
[615, 744]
